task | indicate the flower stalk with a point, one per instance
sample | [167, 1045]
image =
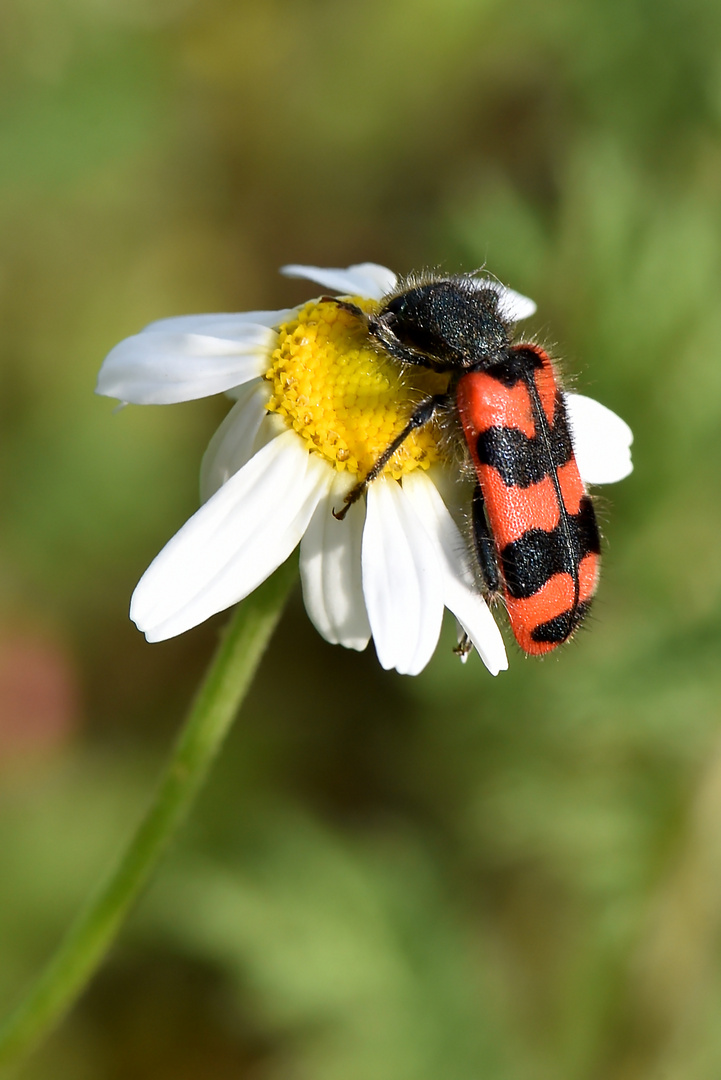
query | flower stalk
[209, 720]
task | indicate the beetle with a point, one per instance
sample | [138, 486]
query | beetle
[533, 525]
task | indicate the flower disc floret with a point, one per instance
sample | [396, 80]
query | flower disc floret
[345, 398]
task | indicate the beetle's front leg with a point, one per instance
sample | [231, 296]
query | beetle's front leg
[420, 416]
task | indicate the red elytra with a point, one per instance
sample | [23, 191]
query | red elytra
[537, 509]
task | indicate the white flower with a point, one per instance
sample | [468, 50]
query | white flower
[288, 452]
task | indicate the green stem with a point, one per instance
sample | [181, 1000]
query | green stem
[93, 933]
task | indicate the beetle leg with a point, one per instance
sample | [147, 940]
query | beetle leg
[420, 416]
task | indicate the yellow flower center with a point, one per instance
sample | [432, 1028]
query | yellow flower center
[347, 399]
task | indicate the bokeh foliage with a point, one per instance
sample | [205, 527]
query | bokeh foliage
[387, 879]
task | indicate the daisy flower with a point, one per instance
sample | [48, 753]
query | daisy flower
[316, 404]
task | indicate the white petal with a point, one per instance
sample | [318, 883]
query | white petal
[330, 570]
[402, 580]
[512, 305]
[460, 590]
[220, 324]
[234, 542]
[238, 437]
[601, 440]
[160, 368]
[364, 279]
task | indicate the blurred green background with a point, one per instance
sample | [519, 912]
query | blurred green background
[387, 878]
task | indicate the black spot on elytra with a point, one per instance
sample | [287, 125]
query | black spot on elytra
[560, 628]
[529, 562]
[522, 461]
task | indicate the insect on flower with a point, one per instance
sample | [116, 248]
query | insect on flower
[334, 443]
[534, 528]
